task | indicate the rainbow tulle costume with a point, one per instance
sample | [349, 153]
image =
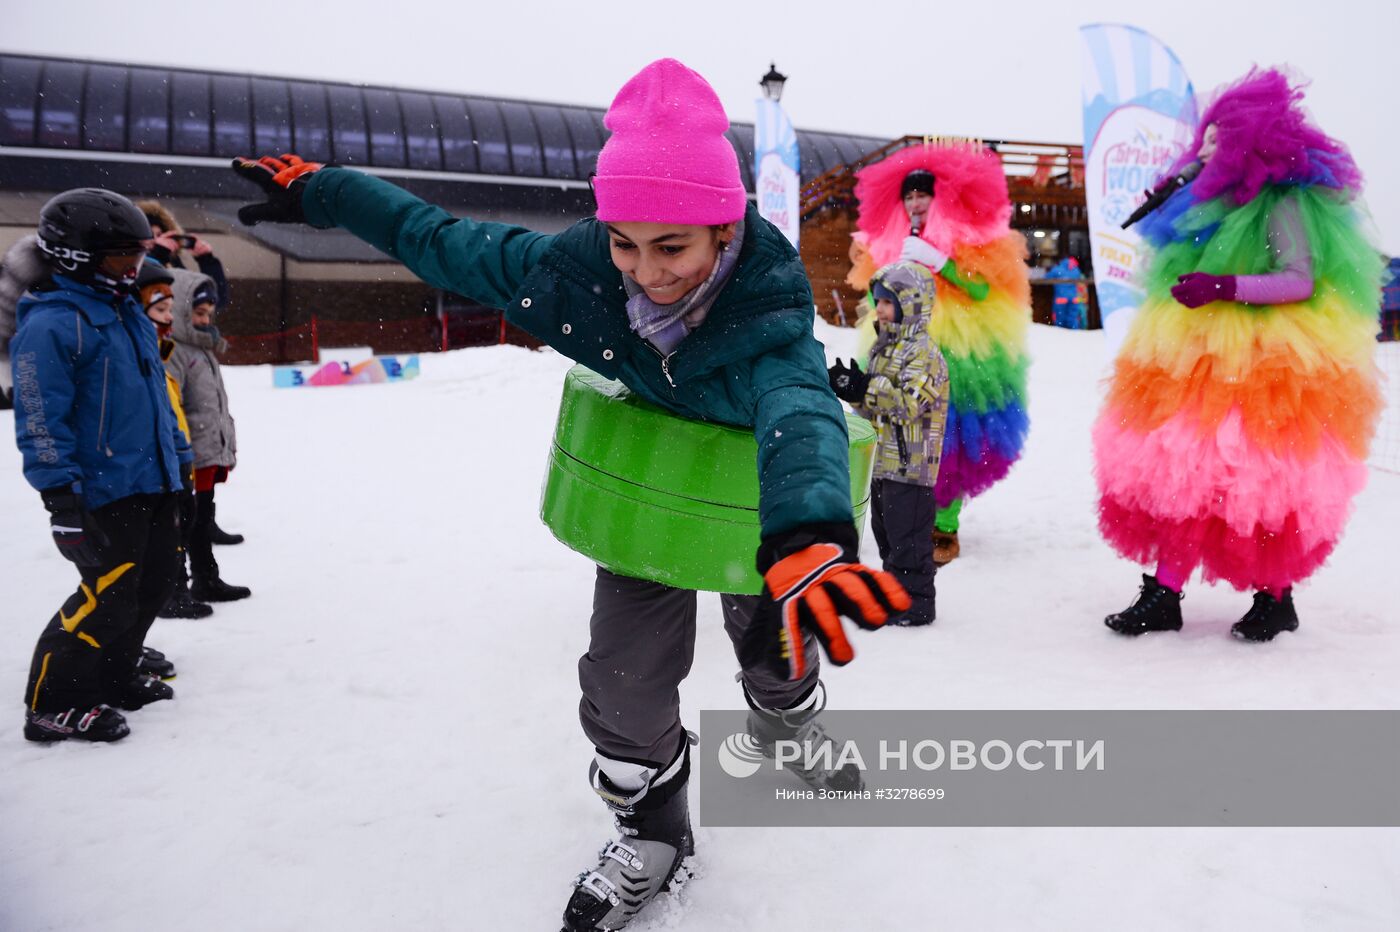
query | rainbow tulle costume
[983, 342]
[1234, 436]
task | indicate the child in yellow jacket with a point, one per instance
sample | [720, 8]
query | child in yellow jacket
[157, 300]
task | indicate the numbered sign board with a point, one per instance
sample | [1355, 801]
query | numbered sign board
[340, 372]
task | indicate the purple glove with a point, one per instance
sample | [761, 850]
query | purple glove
[1197, 288]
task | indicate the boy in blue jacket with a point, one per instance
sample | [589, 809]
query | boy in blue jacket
[102, 447]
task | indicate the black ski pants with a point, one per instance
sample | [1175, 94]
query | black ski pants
[200, 544]
[91, 646]
[901, 515]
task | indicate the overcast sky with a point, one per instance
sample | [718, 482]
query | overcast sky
[1004, 69]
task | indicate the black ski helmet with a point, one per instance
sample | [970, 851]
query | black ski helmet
[78, 228]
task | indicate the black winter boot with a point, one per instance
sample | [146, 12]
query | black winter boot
[645, 861]
[214, 589]
[183, 605]
[1268, 617]
[100, 723]
[140, 691]
[155, 663]
[218, 535]
[769, 726]
[1157, 609]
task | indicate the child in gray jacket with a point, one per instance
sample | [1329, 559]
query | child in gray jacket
[194, 364]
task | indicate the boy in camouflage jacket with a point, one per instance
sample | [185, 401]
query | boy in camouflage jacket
[904, 393]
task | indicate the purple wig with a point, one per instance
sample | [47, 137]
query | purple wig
[1264, 137]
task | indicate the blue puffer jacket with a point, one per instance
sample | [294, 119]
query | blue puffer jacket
[91, 409]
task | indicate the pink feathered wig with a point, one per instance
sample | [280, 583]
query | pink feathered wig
[1263, 137]
[970, 206]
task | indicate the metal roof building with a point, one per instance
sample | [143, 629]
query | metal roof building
[169, 133]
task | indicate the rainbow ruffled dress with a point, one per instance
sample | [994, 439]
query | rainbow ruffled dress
[1234, 436]
[983, 342]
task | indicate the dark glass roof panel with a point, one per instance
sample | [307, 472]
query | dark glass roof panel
[558, 146]
[60, 106]
[190, 119]
[148, 129]
[526, 155]
[311, 130]
[742, 139]
[459, 148]
[233, 117]
[104, 108]
[586, 128]
[386, 143]
[348, 134]
[272, 117]
[493, 149]
[420, 127]
[19, 94]
[849, 149]
[818, 152]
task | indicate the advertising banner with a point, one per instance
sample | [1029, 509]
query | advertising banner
[777, 169]
[1139, 114]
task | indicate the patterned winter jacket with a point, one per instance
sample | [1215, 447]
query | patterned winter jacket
[907, 399]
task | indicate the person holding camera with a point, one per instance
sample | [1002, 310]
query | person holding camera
[168, 240]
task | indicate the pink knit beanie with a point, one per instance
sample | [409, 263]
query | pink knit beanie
[668, 160]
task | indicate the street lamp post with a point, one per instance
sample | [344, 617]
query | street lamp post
[777, 167]
[772, 83]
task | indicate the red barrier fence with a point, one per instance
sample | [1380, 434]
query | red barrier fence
[412, 335]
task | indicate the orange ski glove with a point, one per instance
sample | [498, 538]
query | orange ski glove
[283, 180]
[809, 589]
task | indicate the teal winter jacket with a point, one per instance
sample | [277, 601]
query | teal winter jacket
[753, 362]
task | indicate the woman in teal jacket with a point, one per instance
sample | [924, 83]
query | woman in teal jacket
[697, 304]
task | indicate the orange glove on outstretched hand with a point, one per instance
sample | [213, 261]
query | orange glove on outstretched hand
[810, 590]
[283, 180]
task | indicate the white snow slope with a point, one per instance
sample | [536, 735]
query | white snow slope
[385, 735]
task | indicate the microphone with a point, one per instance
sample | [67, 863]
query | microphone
[916, 223]
[1159, 197]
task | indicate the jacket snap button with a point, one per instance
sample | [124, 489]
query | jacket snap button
[525, 302]
[607, 354]
[568, 328]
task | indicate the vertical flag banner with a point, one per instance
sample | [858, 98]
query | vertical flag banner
[777, 169]
[1139, 114]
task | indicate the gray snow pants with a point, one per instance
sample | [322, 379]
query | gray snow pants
[641, 644]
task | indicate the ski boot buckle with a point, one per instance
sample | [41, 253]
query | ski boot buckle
[601, 887]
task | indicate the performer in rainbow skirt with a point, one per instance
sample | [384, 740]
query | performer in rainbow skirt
[1236, 426]
[946, 205]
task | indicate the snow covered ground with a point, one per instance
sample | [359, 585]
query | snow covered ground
[384, 736]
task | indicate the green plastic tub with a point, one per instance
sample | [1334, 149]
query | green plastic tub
[648, 494]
